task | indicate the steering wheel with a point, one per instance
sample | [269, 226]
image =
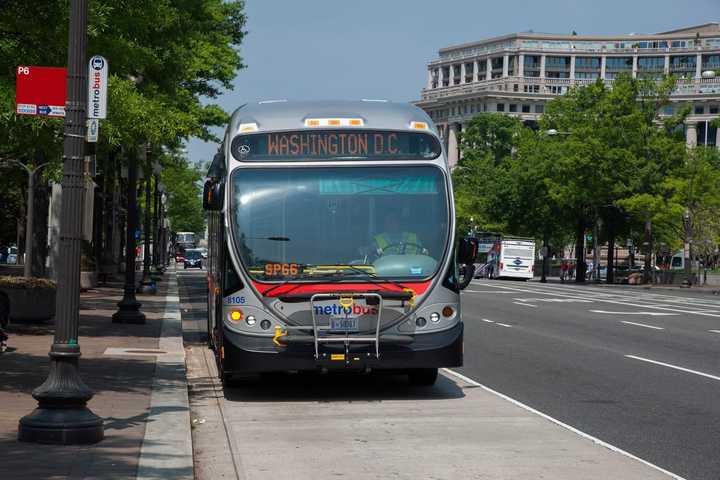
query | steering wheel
[404, 245]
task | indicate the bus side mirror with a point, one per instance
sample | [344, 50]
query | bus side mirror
[467, 251]
[212, 196]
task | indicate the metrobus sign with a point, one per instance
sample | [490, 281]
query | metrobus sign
[40, 91]
[97, 87]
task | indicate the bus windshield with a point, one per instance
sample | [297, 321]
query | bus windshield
[337, 222]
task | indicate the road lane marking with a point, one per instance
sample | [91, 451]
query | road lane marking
[486, 320]
[494, 292]
[682, 369]
[525, 304]
[642, 325]
[655, 314]
[714, 331]
[616, 302]
[503, 324]
[574, 430]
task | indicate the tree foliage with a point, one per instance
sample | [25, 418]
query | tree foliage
[601, 154]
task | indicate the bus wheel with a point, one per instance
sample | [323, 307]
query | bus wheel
[423, 377]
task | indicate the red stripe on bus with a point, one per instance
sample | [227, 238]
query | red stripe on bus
[299, 288]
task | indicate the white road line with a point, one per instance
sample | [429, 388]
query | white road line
[595, 440]
[503, 324]
[486, 320]
[714, 331]
[654, 314]
[642, 325]
[494, 292]
[617, 302]
[702, 374]
[525, 304]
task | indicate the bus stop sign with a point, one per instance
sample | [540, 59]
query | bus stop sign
[40, 91]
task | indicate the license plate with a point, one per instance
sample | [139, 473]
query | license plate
[344, 324]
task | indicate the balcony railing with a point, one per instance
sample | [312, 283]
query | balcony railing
[549, 86]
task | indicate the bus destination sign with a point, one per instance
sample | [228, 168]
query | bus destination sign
[336, 144]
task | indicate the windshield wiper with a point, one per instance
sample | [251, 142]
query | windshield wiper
[273, 239]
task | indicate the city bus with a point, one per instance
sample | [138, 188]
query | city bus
[185, 239]
[511, 257]
[331, 242]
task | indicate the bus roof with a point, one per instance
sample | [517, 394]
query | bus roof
[291, 115]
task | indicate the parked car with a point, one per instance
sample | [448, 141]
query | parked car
[193, 258]
[203, 252]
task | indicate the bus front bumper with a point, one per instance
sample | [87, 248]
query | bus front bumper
[243, 354]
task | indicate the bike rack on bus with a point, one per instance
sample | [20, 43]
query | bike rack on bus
[347, 339]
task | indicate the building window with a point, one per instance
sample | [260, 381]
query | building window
[513, 107]
[539, 108]
[516, 87]
[713, 109]
[683, 63]
[500, 107]
[651, 63]
[557, 74]
[711, 62]
[587, 75]
[619, 63]
[699, 109]
[587, 63]
[526, 109]
[557, 62]
[497, 63]
[668, 110]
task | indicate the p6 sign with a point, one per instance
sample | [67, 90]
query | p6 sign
[40, 91]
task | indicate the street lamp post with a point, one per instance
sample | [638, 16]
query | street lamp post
[146, 284]
[27, 268]
[62, 416]
[129, 307]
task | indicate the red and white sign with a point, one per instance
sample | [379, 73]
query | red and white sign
[40, 91]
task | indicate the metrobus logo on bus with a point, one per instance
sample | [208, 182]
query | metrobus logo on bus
[354, 310]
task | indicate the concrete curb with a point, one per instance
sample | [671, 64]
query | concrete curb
[167, 445]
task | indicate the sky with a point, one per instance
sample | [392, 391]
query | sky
[343, 49]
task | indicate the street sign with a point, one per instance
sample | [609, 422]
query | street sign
[97, 87]
[588, 237]
[40, 91]
[93, 128]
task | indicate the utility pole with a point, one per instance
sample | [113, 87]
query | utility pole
[29, 234]
[62, 416]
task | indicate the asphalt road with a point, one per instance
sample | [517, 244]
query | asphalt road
[638, 370]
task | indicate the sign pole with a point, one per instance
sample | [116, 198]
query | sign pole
[62, 416]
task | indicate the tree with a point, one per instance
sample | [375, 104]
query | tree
[614, 148]
[184, 195]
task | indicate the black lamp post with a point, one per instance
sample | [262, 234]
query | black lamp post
[146, 284]
[62, 416]
[129, 307]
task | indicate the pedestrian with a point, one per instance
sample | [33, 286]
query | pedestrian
[563, 271]
[4, 320]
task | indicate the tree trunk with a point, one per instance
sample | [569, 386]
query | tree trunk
[610, 276]
[580, 266]
[647, 274]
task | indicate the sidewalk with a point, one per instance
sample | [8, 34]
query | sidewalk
[136, 394]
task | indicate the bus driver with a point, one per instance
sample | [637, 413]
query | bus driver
[394, 241]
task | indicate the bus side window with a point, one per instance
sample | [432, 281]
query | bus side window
[232, 282]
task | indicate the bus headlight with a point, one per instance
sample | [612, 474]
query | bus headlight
[251, 320]
[420, 322]
[265, 324]
[434, 317]
[236, 315]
